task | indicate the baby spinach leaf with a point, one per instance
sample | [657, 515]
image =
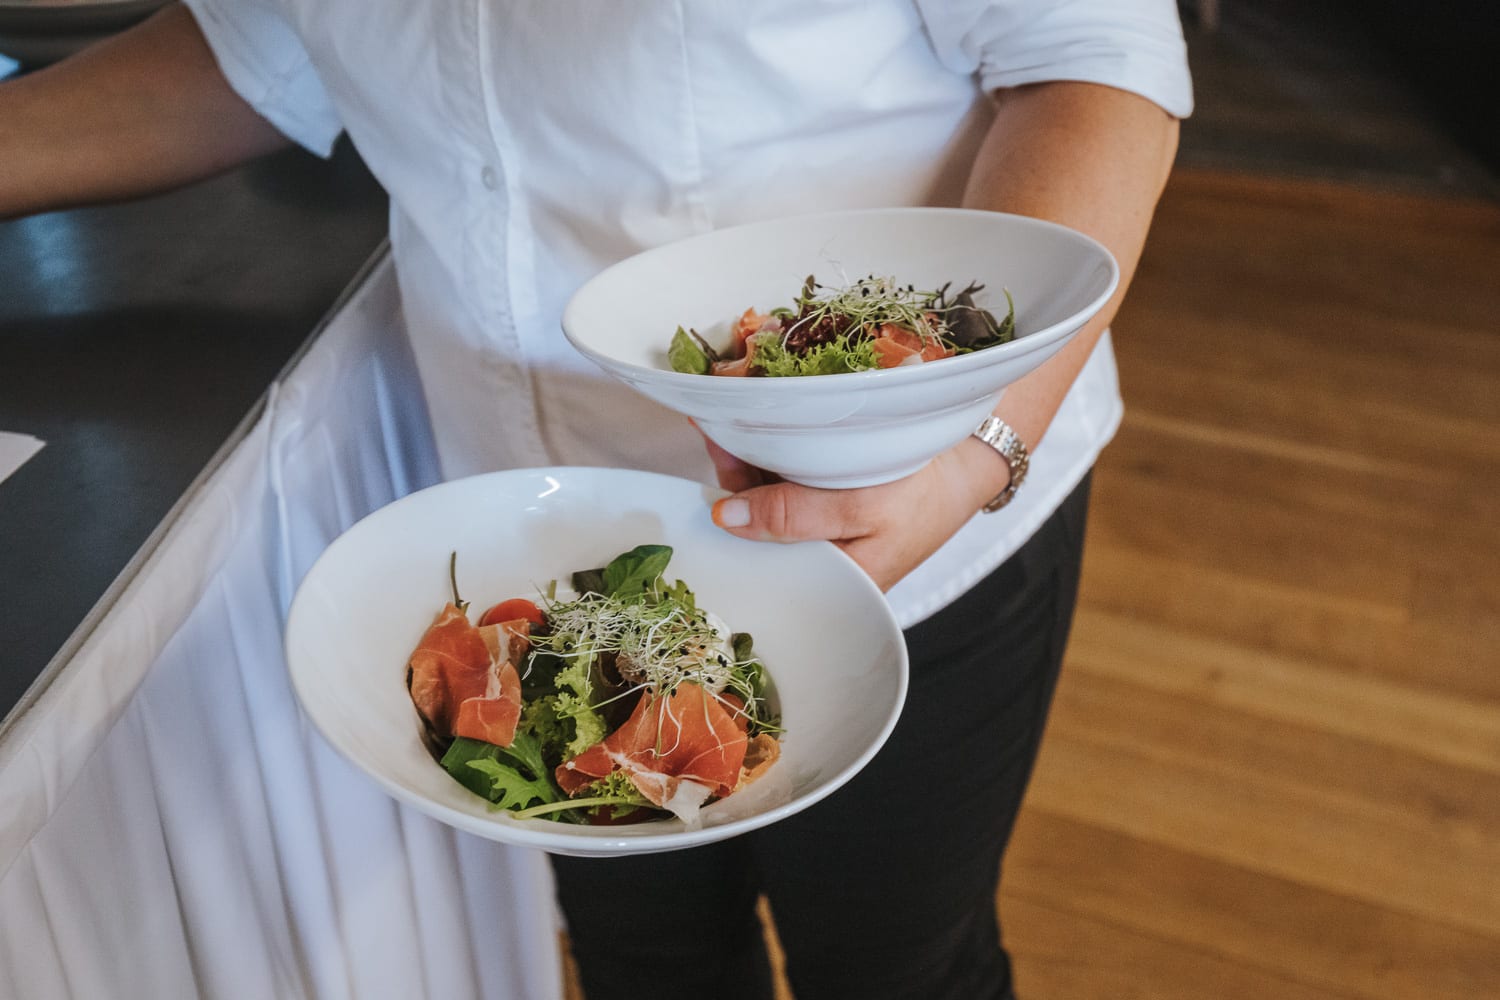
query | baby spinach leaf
[635, 572]
[589, 581]
[456, 762]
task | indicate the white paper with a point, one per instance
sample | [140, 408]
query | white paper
[15, 449]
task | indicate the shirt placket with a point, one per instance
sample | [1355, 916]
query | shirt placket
[502, 259]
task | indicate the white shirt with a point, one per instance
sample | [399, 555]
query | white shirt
[527, 144]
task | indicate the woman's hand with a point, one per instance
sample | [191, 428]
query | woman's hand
[887, 529]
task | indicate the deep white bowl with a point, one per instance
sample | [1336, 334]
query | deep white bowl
[834, 652]
[860, 428]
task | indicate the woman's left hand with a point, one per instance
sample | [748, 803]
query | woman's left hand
[888, 529]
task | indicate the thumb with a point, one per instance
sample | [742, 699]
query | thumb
[786, 512]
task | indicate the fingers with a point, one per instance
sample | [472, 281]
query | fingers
[734, 474]
[785, 512]
[888, 529]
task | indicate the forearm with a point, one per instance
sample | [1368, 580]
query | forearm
[1087, 156]
[143, 112]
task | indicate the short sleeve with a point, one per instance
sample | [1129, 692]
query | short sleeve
[1134, 45]
[260, 54]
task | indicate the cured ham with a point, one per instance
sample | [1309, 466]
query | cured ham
[674, 748]
[737, 363]
[463, 678]
[748, 325]
[896, 345]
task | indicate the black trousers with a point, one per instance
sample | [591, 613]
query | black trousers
[886, 889]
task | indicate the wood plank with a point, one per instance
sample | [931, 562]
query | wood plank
[1058, 953]
[1256, 688]
[1286, 617]
[1316, 345]
[1383, 489]
[1316, 310]
[1340, 414]
[1446, 874]
[1369, 771]
[1245, 918]
[1245, 534]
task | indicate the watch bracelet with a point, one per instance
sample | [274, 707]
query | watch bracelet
[1002, 437]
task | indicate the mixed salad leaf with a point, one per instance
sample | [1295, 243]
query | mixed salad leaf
[608, 697]
[873, 323]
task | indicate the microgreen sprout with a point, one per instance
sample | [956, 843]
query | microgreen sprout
[657, 644]
[866, 305]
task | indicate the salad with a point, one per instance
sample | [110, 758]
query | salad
[873, 323]
[617, 700]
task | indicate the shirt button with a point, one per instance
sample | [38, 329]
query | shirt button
[489, 178]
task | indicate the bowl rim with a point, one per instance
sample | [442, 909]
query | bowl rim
[850, 381]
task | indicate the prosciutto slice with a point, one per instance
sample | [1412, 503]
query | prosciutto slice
[678, 750]
[463, 678]
[896, 346]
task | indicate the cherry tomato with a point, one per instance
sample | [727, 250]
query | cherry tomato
[509, 611]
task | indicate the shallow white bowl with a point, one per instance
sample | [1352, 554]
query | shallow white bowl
[834, 652]
[861, 428]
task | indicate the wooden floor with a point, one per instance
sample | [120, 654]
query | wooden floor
[1273, 767]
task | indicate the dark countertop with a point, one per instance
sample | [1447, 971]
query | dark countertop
[134, 339]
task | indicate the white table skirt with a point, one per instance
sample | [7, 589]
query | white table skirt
[173, 827]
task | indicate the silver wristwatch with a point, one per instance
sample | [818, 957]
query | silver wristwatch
[998, 435]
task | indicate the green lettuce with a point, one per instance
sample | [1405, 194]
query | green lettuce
[836, 357]
[511, 777]
[685, 355]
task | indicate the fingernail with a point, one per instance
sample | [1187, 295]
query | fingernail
[732, 512]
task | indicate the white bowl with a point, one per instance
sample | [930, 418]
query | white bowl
[834, 652]
[861, 428]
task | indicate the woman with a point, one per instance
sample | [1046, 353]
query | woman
[527, 145]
